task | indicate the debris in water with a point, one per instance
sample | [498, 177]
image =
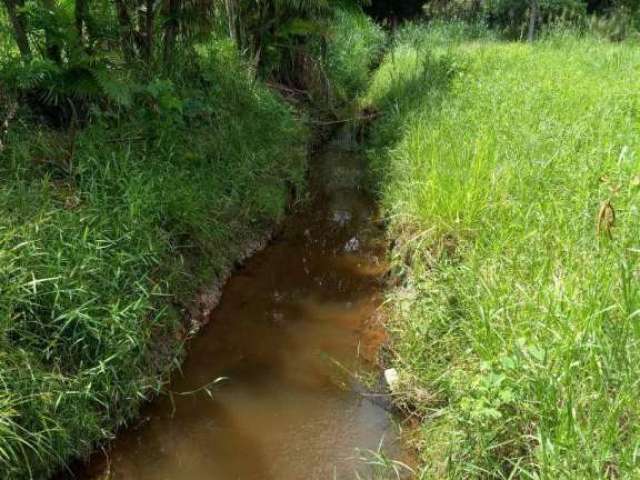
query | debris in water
[341, 217]
[352, 245]
[392, 378]
[278, 318]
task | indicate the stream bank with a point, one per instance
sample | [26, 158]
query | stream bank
[270, 388]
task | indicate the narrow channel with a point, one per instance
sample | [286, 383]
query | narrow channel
[292, 326]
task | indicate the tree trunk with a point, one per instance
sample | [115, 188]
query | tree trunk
[144, 32]
[80, 13]
[534, 14]
[171, 29]
[148, 29]
[19, 29]
[126, 29]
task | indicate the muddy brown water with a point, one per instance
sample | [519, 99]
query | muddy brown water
[292, 326]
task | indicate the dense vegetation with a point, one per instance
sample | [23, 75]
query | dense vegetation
[106, 231]
[510, 175]
[141, 154]
[144, 145]
[518, 19]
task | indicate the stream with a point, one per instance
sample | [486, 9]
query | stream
[293, 326]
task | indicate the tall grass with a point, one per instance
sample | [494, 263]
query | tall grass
[107, 231]
[516, 326]
[355, 44]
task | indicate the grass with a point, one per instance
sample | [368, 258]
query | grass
[355, 44]
[106, 233]
[516, 325]
[339, 63]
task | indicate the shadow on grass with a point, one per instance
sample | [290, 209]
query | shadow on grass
[412, 80]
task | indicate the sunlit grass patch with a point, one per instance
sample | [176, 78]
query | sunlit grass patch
[519, 311]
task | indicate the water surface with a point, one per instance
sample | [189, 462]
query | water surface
[290, 326]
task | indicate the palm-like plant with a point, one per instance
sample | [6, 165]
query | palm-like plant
[270, 31]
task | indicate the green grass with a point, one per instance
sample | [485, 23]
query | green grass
[339, 63]
[106, 233]
[516, 327]
[355, 44]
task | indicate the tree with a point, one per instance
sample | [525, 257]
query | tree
[171, 28]
[19, 27]
[270, 32]
[534, 14]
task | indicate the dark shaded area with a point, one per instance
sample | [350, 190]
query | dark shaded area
[396, 10]
[603, 6]
[393, 10]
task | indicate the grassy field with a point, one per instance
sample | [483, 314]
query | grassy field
[107, 231]
[516, 325]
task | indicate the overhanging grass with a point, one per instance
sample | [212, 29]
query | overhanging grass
[355, 43]
[517, 328]
[106, 231]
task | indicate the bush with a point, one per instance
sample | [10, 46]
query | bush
[617, 24]
[339, 62]
[615, 20]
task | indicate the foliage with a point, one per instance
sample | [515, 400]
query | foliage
[354, 45]
[502, 167]
[6, 41]
[107, 230]
[512, 18]
[277, 34]
[69, 56]
[616, 24]
[273, 33]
